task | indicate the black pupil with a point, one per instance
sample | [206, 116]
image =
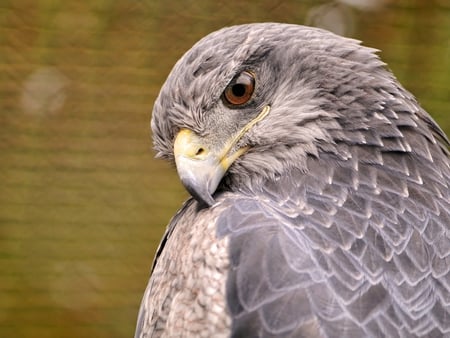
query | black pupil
[238, 89]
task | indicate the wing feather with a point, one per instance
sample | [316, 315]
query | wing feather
[345, 250]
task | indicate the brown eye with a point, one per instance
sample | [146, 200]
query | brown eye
[240, 89]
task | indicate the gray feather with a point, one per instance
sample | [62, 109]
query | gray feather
[336, 222]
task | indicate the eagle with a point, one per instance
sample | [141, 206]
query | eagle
[320, 194]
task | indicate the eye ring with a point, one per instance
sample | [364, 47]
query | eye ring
[240, 90]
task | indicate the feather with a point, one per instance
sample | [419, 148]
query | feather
[333, 221]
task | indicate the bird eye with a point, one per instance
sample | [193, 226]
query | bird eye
[240, 89]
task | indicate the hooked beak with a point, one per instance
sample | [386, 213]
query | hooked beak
[201, 169]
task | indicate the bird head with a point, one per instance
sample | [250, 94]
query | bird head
[250, 102]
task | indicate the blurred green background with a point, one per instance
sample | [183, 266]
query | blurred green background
[83, 203]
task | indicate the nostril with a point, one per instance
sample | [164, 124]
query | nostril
[200, 151]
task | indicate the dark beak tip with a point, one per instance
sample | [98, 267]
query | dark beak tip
[201, 196]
